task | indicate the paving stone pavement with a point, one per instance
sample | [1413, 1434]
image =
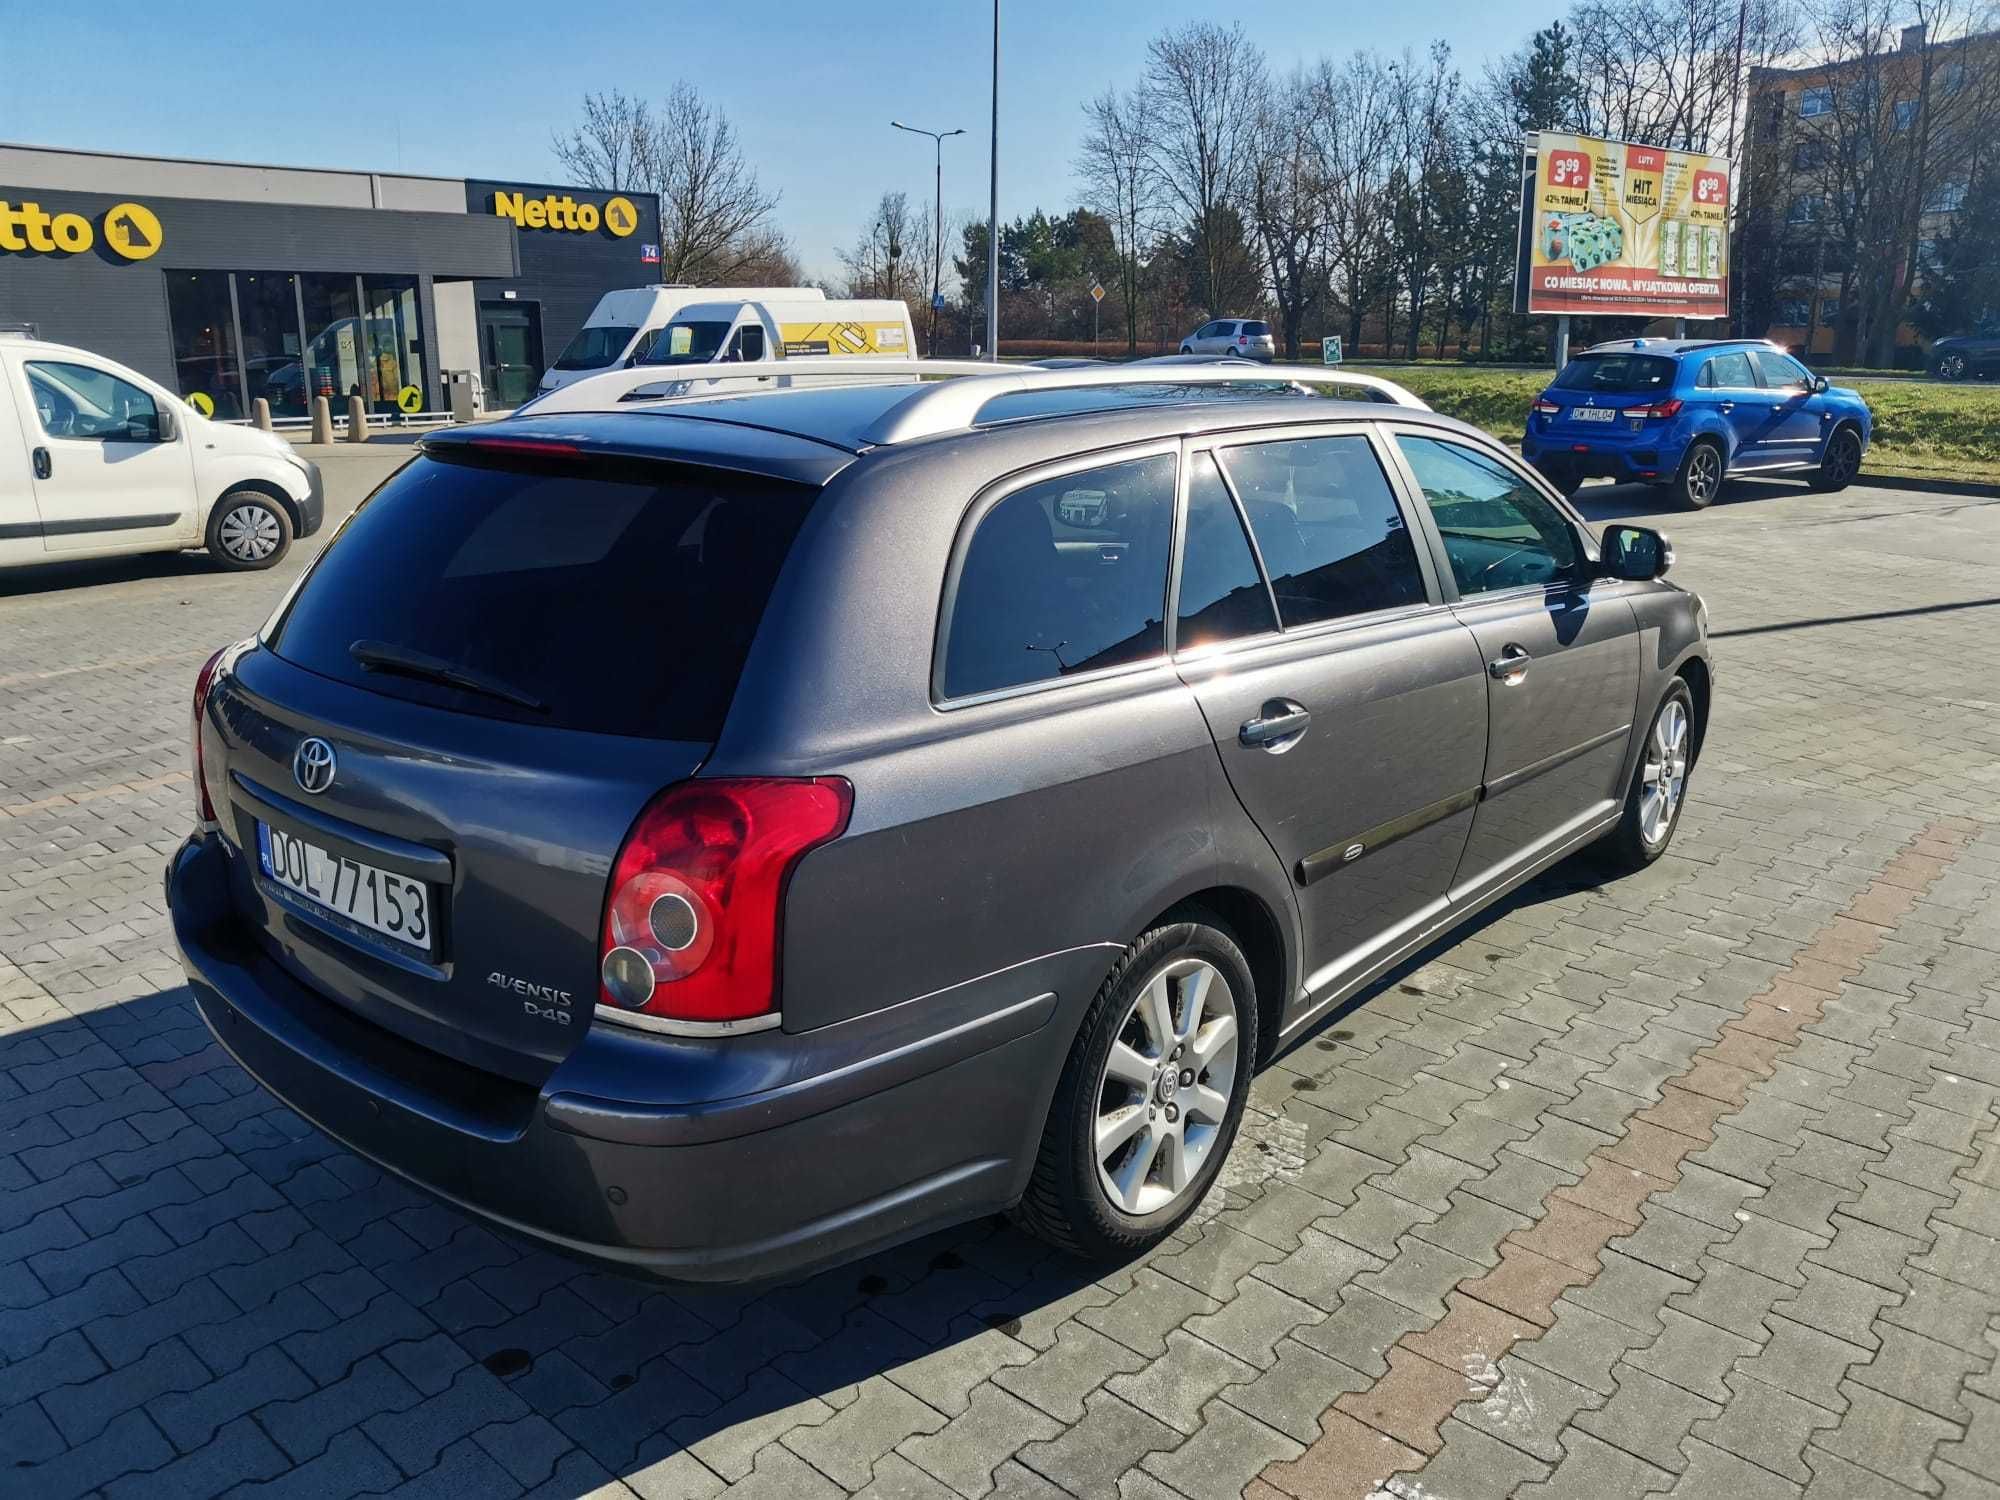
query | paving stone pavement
[1685, 1184]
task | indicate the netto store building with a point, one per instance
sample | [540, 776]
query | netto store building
[229, 282]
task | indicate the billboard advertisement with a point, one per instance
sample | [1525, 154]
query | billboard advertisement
[1616, 228]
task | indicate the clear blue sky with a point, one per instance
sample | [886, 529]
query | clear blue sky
[811, 87]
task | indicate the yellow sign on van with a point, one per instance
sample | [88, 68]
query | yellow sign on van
[131, 230]
[844, 338]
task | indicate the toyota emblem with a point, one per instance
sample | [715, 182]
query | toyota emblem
[312, 765]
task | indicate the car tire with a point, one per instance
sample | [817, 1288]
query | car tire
[248, 531]
[1951, 367]
[1642, 834]
[1563, 476]
[1700, 477]
[1187, 349]
[1841, 461]
[1070, 1199]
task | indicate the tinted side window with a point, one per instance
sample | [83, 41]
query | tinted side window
[1223, 597]
[1781, 372]
[1728, 371]
[1499, 533]
[1067, 575]
[1326, 522]
[79, 401]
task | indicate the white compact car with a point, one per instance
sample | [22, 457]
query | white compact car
[97, 460]
[1238, 338]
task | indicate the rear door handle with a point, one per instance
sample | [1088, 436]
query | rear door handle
[43, 467]
[1278, 727]
[1727, 406]
[1510, 666]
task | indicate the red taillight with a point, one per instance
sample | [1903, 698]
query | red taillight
[1660, 409]
[1548, 408]
[691, 929]
[204, 811]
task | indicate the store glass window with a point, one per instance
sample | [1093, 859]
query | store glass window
[204, 332]
[395, 345]
[267, 302]
[335, 356]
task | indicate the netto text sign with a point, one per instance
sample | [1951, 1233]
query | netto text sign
[1616, 227]
[131, 231]
[562, 212]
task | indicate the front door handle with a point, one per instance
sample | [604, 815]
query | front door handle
[1279, 725]
[43, 467]
[1727, 406]
[1510, 666]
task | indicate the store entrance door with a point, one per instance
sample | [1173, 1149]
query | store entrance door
[510, 352]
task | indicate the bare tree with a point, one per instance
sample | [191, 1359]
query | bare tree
[1353, 124]
[1905, 98]
[1119, 181]
[611, 146]
[1287, 201]
[888, 259]
[1204, 87]
[715, 216]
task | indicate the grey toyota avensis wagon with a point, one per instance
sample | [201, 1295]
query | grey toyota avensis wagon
[719, 839]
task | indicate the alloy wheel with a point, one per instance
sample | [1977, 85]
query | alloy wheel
[1845, 459]
[1704, 478]
[1166, 1086]
[249, 533]
[1952, 367]
[1663, 777]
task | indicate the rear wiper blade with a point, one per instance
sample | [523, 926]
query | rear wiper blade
[380, 656]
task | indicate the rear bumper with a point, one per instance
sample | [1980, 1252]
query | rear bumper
[854, 1142]
[1646, 461]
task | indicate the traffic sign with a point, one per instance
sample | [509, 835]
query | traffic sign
[1329, 349]
[1097, 291]
[937, 301]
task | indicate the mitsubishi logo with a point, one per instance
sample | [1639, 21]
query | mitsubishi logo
[312, 765]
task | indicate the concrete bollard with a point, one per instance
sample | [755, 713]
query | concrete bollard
[357, 420]
[322, 421]
[260, 413]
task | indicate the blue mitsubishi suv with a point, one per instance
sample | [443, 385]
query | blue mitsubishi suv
[1692, 413]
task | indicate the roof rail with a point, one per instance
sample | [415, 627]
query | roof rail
[939, 404]
[954, 405]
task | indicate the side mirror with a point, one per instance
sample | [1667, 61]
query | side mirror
[163, 428]
[1634, 552]
[1820, 385]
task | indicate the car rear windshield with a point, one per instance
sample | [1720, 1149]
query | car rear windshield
[1257, 330]
[594, 348]
[615, 599]
[1623, 373]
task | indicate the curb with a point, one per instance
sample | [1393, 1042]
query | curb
[1974, 488]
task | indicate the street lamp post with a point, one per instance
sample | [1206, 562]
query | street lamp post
[993, 209]
[937, 224]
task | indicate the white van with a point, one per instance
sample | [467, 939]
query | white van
[752, 338]
[621, 327]
[97, 460]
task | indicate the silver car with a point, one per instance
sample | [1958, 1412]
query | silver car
[1242, 338]
[722, 839]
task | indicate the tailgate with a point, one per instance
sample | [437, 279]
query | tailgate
[509, 830]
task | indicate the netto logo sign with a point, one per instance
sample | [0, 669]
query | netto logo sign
[618, 216]
[131, 230]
